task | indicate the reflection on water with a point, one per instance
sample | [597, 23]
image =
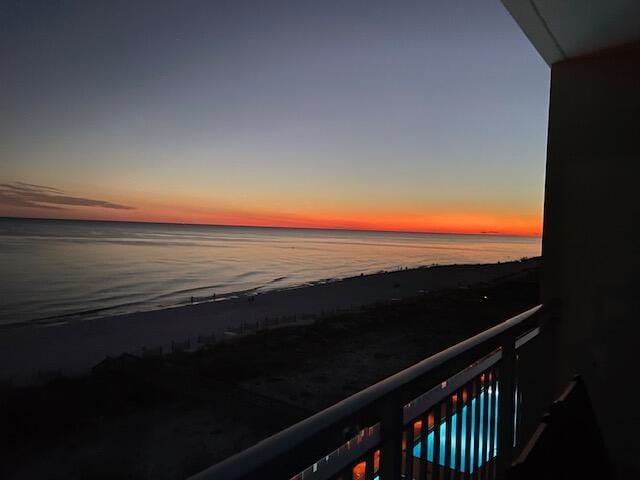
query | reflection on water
[52, 268]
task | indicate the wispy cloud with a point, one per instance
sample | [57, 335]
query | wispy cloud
[22, 194]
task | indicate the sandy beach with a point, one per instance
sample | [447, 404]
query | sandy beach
[35, 352]
[170, 416]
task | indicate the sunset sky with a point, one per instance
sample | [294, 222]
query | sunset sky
[392, 115]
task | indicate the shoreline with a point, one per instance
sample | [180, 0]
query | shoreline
[86, 315]
[103, 312]
[31, 353]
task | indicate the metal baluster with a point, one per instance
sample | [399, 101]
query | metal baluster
[517, 415]
[368, 473]
[467, 433]
[457, 460]
[391, 428]
[517, 395]
[497, 414]
[506, 405]
[448, 409]
[480, 403]
[408, 456]
[436, 442]
[485, 424]
[424, 445]
[492, 424]
[476, 427]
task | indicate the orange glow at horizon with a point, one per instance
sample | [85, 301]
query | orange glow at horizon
[441, 222]
[396, 221]
[293, 211]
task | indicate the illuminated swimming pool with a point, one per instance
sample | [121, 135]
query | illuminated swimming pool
[483, 436]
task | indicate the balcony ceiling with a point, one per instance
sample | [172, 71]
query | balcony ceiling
[562, 29]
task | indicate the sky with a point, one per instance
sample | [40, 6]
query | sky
[408, 115]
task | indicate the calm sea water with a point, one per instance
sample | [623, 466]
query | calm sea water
[52, 268]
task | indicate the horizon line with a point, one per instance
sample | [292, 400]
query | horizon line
[487, 233]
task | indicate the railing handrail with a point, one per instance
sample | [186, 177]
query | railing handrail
[268, 450]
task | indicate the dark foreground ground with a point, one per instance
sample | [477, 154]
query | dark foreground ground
[171, 416]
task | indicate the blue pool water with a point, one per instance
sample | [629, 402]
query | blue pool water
[482, 435]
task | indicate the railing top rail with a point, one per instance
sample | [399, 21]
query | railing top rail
[278, 445]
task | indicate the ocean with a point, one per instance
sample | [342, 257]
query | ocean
[67, 269]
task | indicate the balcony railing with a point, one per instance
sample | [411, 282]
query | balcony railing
[456, 415]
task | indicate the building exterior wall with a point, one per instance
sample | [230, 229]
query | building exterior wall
[591, 241]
